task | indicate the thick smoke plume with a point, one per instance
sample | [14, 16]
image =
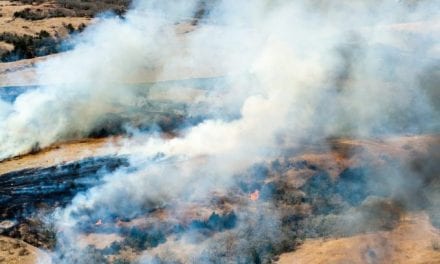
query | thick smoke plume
[333, 75]
[292, 71]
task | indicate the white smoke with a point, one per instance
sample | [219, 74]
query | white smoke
[297, 71]
[295, 43]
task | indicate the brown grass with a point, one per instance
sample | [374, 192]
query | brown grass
[55, 26]
[409, 242]
[13, 251]
[61, 153]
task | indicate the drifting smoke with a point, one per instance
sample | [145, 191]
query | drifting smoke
[332, 75]
[292, 72]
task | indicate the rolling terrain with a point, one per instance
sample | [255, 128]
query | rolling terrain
[392, 233]
[219, 132]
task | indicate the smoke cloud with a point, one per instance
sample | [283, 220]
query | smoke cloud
[292, 71]
[338, 64]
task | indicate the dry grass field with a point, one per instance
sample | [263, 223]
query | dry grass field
[414, 240]
[13, 251]
[337, 200]
[56, 26]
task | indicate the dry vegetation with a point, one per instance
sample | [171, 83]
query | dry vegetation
[409, 242]
[55, 26]
[61, 153]
[72, 8]
[30, 29]
[311, 191]
[20, 73]
[13, 251]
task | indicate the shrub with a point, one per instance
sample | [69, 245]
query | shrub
[79, 8]
[84, 8]
[121, 261]
[27, 46]
[139, 239]
[39, 14]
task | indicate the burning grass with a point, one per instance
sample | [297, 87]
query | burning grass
[268, 211]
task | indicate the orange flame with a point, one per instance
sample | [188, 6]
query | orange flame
[255, 195]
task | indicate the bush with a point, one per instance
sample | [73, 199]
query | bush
[29, 2]
[27, 46]
[84, 8]
[78, 8]
[121, 261]
[70, 28]
[90, 254]
[112, 249]
[139, 239]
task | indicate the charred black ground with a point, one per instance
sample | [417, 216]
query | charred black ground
[363, 197]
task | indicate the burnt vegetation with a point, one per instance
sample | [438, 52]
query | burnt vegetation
[237, 229]
[27, 195]
[56, 184]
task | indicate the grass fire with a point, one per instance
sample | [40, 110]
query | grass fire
[219, 131]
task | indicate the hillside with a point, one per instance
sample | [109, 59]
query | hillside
[31, 29]
[413, 240]
[175, 132]
[13, 251]
[391, 234]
